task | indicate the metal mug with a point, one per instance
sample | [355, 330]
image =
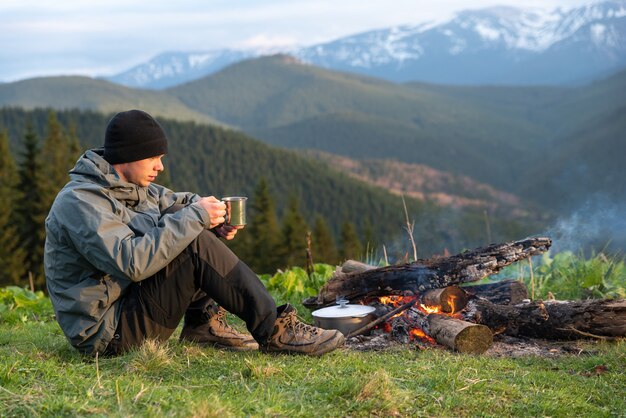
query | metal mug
[235, 210]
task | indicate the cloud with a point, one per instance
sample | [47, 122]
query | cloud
[265, 41]
[106, 32]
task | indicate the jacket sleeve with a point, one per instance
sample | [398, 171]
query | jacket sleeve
[168, 198]
[96, 226]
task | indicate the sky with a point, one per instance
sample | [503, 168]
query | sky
[106, 37]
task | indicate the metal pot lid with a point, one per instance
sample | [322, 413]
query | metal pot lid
[344, 311]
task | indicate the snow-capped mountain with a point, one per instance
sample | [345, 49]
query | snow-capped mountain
[498, 45]
[172, 68]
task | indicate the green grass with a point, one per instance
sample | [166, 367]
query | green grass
[568, 276]
[41, 375]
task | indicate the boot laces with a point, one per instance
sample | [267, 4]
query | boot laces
[220, 317]
[298, 327]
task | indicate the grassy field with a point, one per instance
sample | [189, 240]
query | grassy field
[40, 375]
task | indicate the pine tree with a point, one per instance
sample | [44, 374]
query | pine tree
[264, 233]
[56, 152]
[12, 255]
[31, 208]
[324, 248]
[74, 149]
[294, 230]
[350, 244]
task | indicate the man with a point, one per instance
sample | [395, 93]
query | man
[126, 259]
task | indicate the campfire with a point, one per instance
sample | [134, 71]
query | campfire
[423, 303]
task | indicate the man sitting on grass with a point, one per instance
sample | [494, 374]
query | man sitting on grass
[127, 259]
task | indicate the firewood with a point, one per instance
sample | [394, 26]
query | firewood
[432, 273]
[554, 320]
[504, 292]
[461, 336]
[381, 319]
[456, 334]
[512, 320]
[449, 299]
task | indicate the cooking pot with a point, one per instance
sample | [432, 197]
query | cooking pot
[343, 317]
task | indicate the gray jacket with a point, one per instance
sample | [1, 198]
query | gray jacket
[102, 234]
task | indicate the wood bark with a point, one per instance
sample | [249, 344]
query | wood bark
[504, 292]
[434, 273]
[512, 320]
[555, 320]
[458, 335]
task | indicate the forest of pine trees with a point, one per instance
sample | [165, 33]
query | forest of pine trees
[28, 186]
[290, 196]
[30, 180]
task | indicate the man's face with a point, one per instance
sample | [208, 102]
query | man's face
[142, 172]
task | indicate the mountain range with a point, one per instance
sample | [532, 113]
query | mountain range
[552, 146]
[497, 45]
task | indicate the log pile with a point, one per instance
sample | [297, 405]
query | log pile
[424, 298]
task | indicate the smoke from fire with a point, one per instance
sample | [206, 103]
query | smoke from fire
[597, 225]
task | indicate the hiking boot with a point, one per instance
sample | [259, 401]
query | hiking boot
[212, 329]
[292, 336]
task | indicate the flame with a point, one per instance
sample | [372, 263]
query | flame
[451, 300]
[387, 300]
[417, 333]
[430, 309]
[395, 300]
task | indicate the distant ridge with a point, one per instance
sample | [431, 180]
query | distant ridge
[74, 92]
[519, 140]
[497, 45]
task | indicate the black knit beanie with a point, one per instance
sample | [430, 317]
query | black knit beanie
[132, 136]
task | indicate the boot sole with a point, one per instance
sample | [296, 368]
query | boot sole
[326, 347]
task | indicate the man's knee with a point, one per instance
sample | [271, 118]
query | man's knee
[211, 250]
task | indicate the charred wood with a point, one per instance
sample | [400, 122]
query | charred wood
[425, 274]
[504, 292]
[556, 320]
[449, 299]
[512, 320]
[381, 319]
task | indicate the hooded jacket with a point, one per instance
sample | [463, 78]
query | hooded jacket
[102, 234]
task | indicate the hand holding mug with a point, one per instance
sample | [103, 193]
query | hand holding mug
[215, 209]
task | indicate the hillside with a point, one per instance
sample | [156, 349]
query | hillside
[502, 136]
[424, 183]
[586, 165]
[507, 137]
[90, 94]
[212, 160]
[287, 103]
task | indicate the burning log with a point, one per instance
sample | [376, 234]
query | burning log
[554, 320]
[456, 334]
[428, 274]
[504, 292]
[449, 299]
[382, 319]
